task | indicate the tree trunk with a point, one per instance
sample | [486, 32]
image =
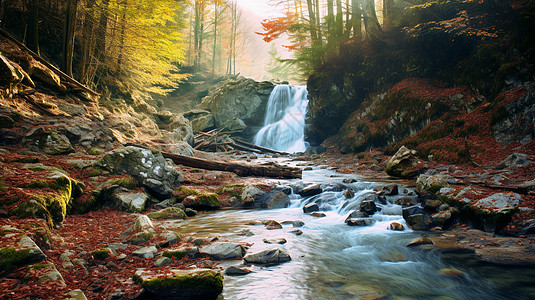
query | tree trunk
[371, 23]
[331, 32]
[318, 22]
[121, 38]
[312, 22]
[32, 38]
[239, 168]
[68, 36]
[388, 6]
[215, 38]
[339, 18]
[86, 44]
[356, 19]
[100, 47]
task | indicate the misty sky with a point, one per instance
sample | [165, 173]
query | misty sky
[260, 7]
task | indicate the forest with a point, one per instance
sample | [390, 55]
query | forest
[278, 149]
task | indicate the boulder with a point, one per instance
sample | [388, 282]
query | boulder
[202, 202]
[311, 190]
[145, 252]
[191, 252]
[20, 254]
[180, 148]
[48, 141]
[180, 284]
[248, 195]
[167, 213]
[499, 202]
[311, 207]
[359, 221]
[223, 251]
[142, 223]
[368, 207]
[404, 201]
[446, 217]
[417, 218]
[348, 194]
[275, 241]
[149, 168]
[431, 183]
[131, 202]
[403, 164]
[243, 99]
[201, 120]
[268, 257]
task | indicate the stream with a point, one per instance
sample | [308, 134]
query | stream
[332, 260]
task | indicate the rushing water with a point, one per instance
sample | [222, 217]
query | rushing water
[284, 124]
[332, 260]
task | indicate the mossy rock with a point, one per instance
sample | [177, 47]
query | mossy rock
[184, 192]
[181, 284]
[202, 202]
[167, 213]
[95, 151]
[51, 208]
[176, 254]
[140, 237]
[127, 182]
[100, 254]
[11, 258]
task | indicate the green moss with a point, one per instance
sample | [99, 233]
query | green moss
[95, 151]
[204, 281]
[184, 192]
[199, 242]
[168, 213]
[177, 254]
[209, 200]
[434, 188]
[127, 182]
[38, 266]
[3, 187]
[100, 254]
[10, 259]
[137, 279]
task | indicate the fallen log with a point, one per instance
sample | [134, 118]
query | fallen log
[239, 168]
[253, 146]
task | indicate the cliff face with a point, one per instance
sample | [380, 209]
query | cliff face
[447, 73]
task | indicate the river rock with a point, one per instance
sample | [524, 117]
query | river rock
[405, 201]
[309, 208]
[432, 204]
[420, 241]
[403, 164]
[268, 257]
[311, 190]
[235, 271]
[223, 251]
[180, 148]
[356, 214]
[162, 261]
[148, 168]
[431, 183]
[272, 224]
[298, 223]
[318, 214]
[180, 284]
[359, 221]
[368, 207]
[348, 194]
[395, 226]
[296, 232]
[248, 195]
[417, 218]
[280, 200]
[202, 202]
[446, 217]
[167, 213]
[275, 241]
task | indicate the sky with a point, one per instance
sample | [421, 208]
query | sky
[259, 7]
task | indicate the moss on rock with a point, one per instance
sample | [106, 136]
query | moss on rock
[11, 258]
[167, 213]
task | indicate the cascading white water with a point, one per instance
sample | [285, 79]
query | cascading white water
[284, 124]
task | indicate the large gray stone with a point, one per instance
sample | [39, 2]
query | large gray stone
[131, 202]
[149, 168]
[499, 202]
[268, 257]
[223, 250]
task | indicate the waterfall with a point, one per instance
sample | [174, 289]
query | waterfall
[284, 124]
